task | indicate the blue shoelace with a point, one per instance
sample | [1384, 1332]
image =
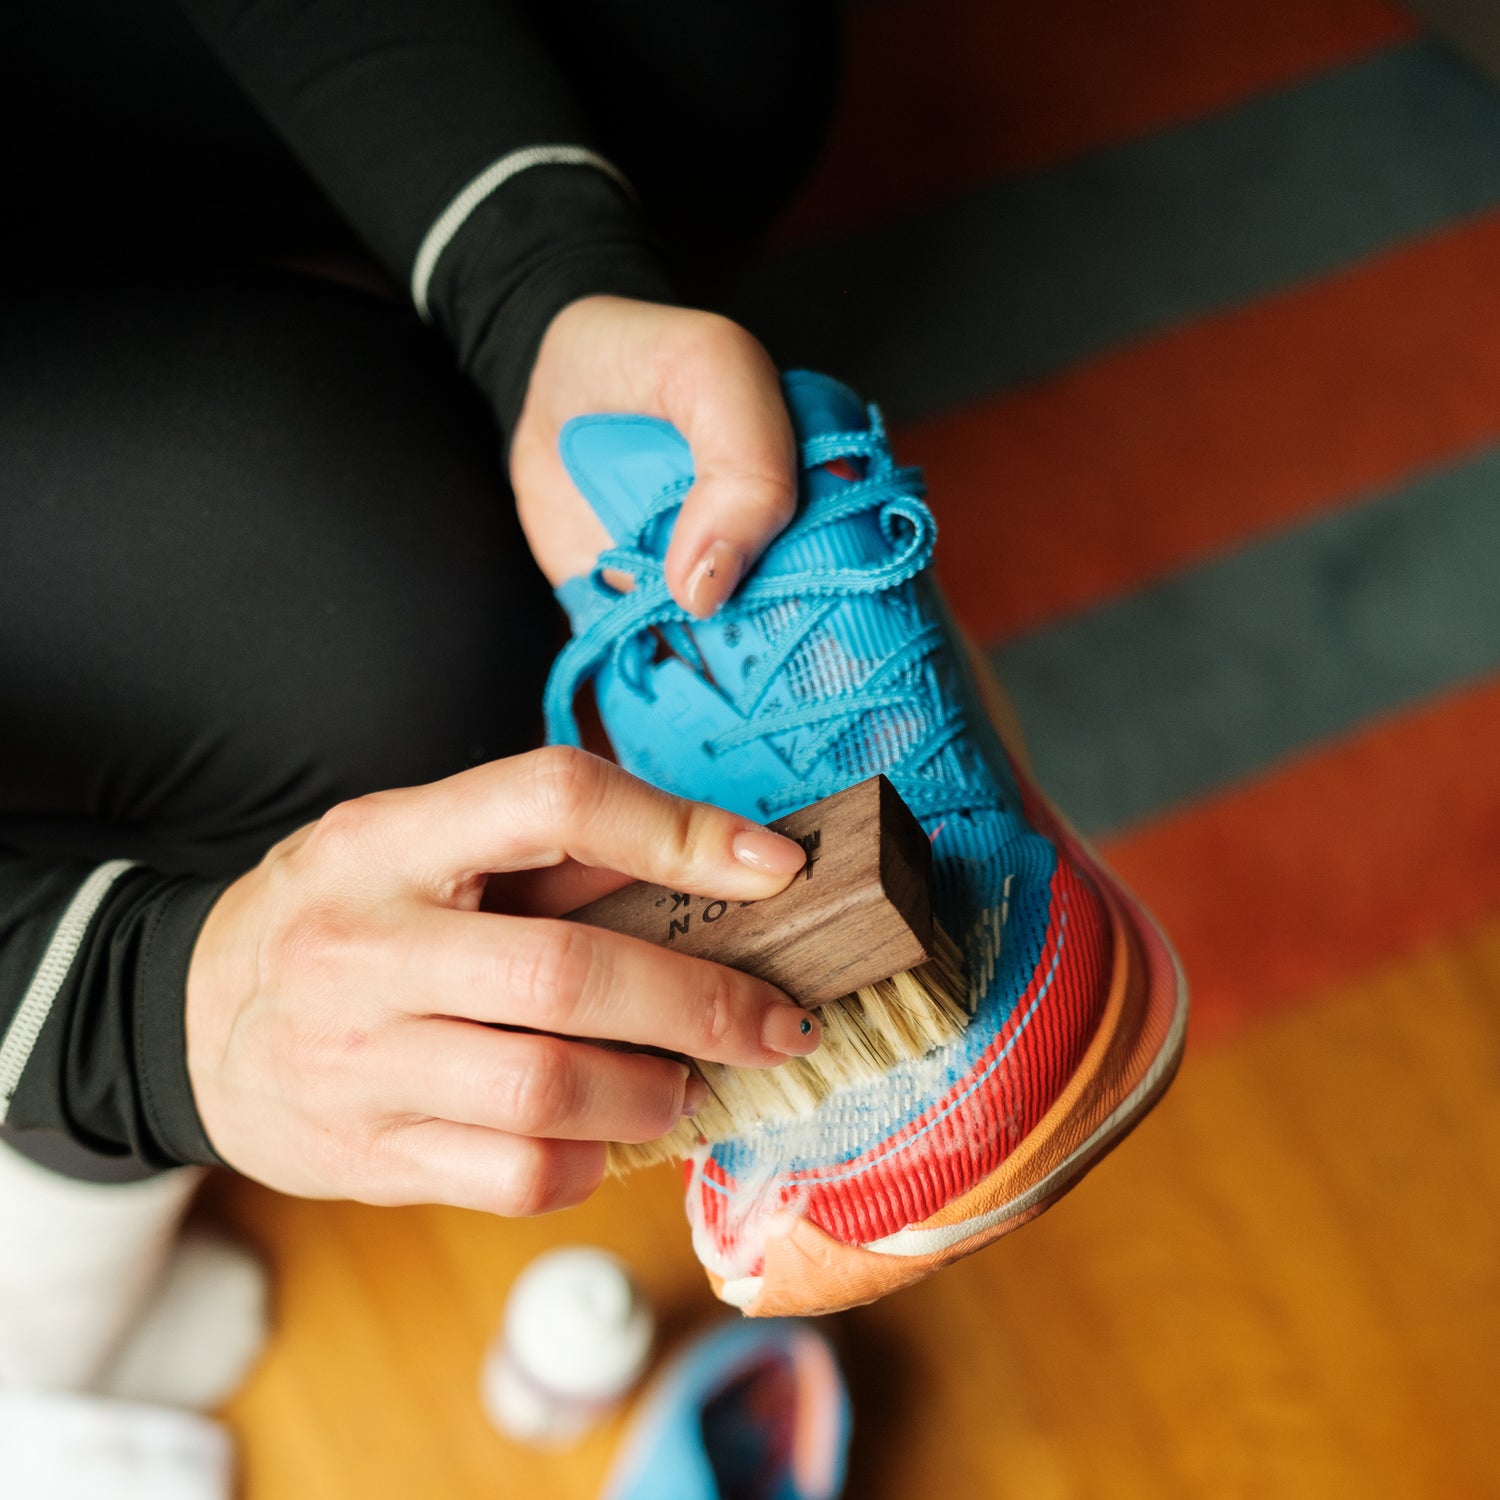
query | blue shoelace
[904, 686]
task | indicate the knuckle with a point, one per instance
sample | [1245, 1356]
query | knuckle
[759, 503]
[719, 1010]
[552, 971]
[565, 784]
[389, 1175]
[540, 1095]
[778, 499]
[343, 832]
[525, 1185]
[702, 346]
[716, 338]
[691, 830]
[346, 1160]
[316, 942]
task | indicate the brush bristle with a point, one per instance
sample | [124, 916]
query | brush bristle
[864, 1036]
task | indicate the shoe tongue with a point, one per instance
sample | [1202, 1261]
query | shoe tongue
[621, 464]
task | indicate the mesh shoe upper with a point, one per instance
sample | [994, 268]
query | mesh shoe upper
[837, 659]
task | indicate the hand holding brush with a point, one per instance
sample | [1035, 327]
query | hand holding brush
[360, 1025]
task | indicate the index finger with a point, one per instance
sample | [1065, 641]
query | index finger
[539, 809]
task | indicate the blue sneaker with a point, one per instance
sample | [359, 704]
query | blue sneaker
[837, 659]
[748, 1411]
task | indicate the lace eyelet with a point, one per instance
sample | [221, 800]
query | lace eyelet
[708, 750]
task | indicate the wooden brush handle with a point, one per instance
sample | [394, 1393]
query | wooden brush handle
[859, 911]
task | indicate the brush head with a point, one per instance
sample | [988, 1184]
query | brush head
[865, 1034]
[853, 934]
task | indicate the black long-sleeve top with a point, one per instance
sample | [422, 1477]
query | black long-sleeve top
[396, 107]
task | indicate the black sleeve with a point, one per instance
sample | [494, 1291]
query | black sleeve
[93, 971]
[396, 106]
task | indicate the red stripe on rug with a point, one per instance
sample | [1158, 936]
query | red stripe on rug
[941, 95]
[1314, 872]
[1151, 458]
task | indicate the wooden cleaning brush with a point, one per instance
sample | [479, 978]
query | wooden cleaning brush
[852, 934]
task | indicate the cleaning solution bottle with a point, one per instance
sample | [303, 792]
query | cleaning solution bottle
[575, 1339]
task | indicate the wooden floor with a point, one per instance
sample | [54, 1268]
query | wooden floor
[1286, 1283]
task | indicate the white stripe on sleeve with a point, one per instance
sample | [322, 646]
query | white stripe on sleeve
[51, 974]
[452, 219]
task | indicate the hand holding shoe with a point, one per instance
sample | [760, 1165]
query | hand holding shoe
[708, 377]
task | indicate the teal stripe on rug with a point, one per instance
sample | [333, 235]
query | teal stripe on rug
[1223, 670]
[1028, 276]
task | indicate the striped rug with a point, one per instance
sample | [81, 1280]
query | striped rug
[1192, 314]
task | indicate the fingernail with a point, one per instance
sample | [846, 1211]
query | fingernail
[694, 1096]
[790, 1030]
[719, 569]
[763, 850]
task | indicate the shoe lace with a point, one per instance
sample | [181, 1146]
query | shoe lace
[898, 697]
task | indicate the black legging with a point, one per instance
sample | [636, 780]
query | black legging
[257, 551]
[258, 557]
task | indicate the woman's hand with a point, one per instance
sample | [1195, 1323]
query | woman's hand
[343, 996]
[714, 383]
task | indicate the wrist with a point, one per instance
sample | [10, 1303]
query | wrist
[503, 360]
[220, 974]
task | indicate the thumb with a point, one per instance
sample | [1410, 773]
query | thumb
[745, 462]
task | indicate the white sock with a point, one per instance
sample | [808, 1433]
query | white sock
[99, 1293]
[56, 1446]
[78, 1262]
[200, 1333]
